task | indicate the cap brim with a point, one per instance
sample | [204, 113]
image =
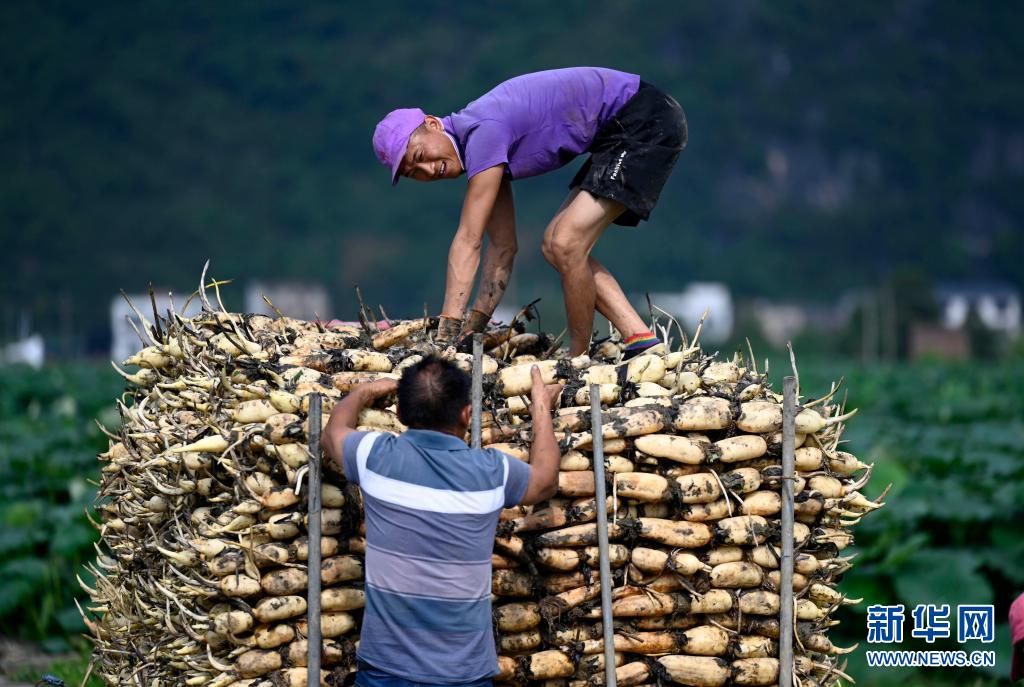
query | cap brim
[396, 166]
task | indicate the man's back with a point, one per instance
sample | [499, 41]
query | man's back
[538, 122]
[431, 508]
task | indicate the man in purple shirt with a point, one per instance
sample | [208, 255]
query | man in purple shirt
[527, 126]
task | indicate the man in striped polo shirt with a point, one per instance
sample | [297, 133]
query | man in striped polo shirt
[431, 509]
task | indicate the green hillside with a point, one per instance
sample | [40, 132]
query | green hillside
[830, 144]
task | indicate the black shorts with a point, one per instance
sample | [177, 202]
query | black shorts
[634, 152]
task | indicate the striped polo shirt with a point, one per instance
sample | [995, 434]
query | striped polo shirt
[431, 510]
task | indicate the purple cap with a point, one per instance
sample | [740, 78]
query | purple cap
[391, 137]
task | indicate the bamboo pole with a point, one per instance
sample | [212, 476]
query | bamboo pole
[786, 564]
[478, 387]
[313, 530]
[602, 536]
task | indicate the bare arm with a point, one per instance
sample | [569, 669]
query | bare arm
[498, 258]
[545, 456]
[345, 416]
[464, 254]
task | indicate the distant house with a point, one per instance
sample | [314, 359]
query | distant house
[998, 306]
[29, 351]
[780, 322]
[933, 341]
[124, 342]
[689, 305]
[293, 299]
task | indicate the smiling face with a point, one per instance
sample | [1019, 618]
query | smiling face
[431, 156]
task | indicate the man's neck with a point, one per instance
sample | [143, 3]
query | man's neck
[455, 144]
[457, 432]
[454, 432]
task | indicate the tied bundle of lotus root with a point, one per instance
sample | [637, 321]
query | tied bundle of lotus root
[202, 575]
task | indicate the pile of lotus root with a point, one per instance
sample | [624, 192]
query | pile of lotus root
[202, 576]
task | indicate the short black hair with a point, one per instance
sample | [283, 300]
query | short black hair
[432, 394]
[421, 129]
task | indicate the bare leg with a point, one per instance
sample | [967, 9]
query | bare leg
[610, 301]
[580, 295]
[571, 196]
[568, 240]
[613, 304]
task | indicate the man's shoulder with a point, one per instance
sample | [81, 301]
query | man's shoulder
[365, 442]
[486, 463]
[468, 469]
[472, 123]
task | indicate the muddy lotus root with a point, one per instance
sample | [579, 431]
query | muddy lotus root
[202, 575]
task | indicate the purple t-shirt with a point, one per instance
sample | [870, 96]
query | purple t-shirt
[538, 122]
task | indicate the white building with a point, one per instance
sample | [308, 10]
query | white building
[997, 306]
[688, 305]
[123, 340]
[780, 322]
[293, 299]
[30, 351]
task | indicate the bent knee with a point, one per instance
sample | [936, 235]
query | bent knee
[563, 252]
[548, 250]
